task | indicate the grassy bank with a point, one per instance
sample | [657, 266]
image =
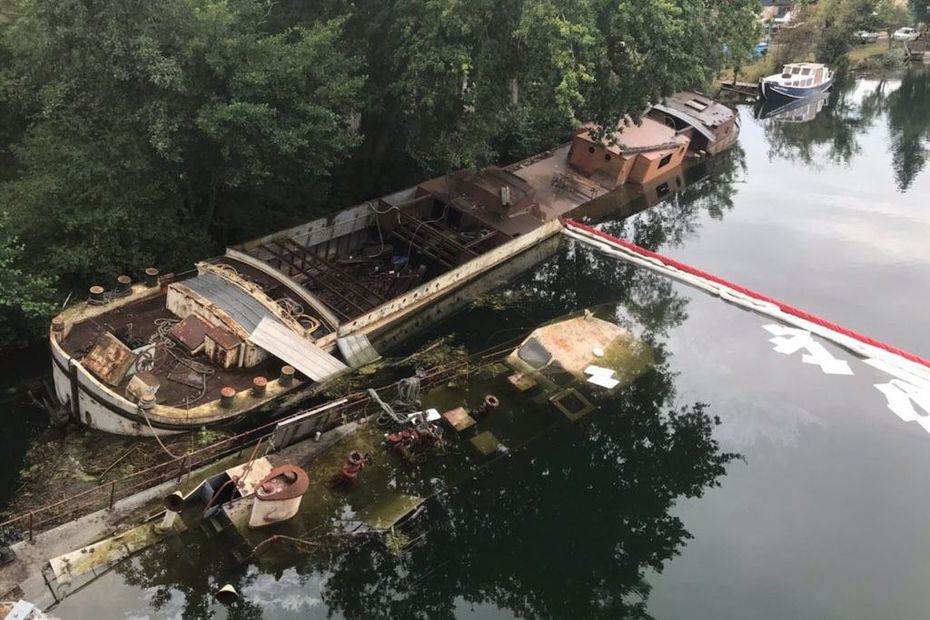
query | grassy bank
[860, 57]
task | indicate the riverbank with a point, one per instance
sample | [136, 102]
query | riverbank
[872, 56]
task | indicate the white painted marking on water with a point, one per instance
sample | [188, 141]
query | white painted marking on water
[790, 340]
[902, 396]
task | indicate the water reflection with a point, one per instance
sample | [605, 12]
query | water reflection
[833, 132]
[797, 111]
[567, 530]
[831, 137]
[567, 526]
[909, 124]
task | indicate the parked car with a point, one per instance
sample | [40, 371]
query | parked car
[864, 36]
[905, 34]
[762, 48]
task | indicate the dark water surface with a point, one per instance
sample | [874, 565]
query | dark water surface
[631, 511]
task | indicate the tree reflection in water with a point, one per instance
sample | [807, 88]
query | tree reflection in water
[909, 123]
[569, 525]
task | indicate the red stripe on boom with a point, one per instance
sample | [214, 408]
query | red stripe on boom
[750, 293]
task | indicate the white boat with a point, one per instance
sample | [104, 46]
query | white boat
[797, 81]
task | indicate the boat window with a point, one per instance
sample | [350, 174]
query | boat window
[590, 149]
[534, 354]
[795, 70]
[665, 161]
[805, 71]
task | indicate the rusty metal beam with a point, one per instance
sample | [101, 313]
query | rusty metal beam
[345, 277]
[285, 260]
[432, 241]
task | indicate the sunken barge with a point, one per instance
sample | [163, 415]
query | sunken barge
[271, 321]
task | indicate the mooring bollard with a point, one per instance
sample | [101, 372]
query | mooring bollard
[123, 286]
[151, 277]
[96, 295]
[258, 386]
[227, 397]
[287, 375]
[58, 328]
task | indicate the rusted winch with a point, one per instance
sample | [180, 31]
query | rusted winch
[490, 402]
[415, 444]
[278, 495]
[353, 465]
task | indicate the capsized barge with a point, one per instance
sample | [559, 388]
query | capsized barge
[272, 320]
[360, 480]
[281, 315]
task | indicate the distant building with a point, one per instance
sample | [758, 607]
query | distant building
[776, 9]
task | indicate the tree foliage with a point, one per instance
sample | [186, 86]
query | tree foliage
[920, 10]
[154, 132]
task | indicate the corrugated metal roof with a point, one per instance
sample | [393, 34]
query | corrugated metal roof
[239, 305]
[299, 352]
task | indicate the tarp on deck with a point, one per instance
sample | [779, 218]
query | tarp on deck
[297, 351]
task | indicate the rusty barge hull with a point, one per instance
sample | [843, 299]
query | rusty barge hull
[307, 265]
[274, 319]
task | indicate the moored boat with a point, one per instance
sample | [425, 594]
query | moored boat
[797, 81]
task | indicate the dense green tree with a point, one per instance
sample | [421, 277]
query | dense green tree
[150, 127]
[151, 133]
[23, 296]
[920, 10]
[454, 84]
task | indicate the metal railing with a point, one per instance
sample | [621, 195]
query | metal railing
[333, 413]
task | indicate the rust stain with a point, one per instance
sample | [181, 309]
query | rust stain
[109, 360]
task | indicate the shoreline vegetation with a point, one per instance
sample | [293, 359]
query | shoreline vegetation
[827, 31]
[141, 134]
[860, 58]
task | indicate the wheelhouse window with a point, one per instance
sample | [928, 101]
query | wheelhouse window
[665, 161]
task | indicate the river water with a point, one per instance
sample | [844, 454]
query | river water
[807, 499]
